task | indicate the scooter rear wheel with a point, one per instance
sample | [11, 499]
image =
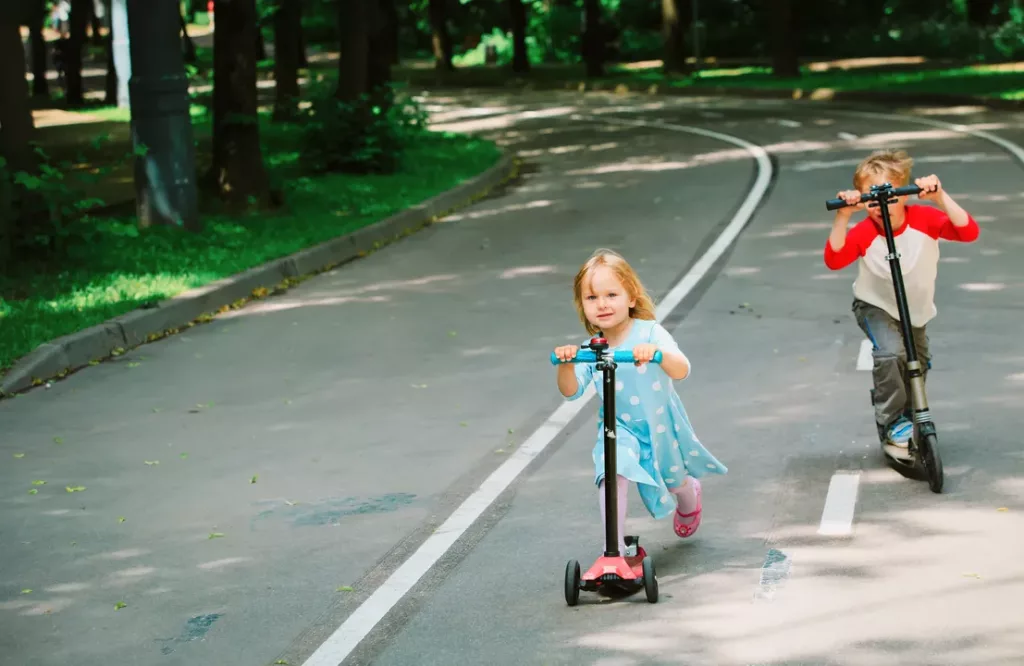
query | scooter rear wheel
[932, 461]
[650, 581]
[572, 582]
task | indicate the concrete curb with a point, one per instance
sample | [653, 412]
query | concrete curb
[58, 358]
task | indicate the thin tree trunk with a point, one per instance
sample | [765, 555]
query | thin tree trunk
[40, 86]
[353, 66]
[676, 20]
[593, 39]
[520, 58]
[110, 87]
[287, 31]
[441, 39]
[785, 55]
[238, 172]
[80, 13]
[16, 128]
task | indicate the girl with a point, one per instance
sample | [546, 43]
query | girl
[656, 446]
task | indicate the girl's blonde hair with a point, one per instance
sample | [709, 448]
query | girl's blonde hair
[644, 308]
[885, 162]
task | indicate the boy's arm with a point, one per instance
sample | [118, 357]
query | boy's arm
[843, 248]
[958, 225]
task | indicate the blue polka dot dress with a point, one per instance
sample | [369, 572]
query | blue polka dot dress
[656, 445]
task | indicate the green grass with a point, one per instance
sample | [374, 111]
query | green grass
[123, 267]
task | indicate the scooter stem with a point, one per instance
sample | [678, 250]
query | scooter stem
[611, 504]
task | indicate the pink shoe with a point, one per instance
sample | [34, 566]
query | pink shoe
[683, 531]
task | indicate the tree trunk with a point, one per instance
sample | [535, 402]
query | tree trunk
[81, 11]
[354, 63]
[97, 24]
[441, 40]
[593, 39]
[520, 58]
[979, 12]
[16, 128]
[110, 87]
[40, 86]
[676, 21]
[287, 51]
[785, 54]
[238, 172]
[382, 49]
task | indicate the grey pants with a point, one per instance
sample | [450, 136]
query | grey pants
[890, 367]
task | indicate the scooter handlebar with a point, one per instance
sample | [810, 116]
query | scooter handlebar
[836, 204]
[590, 356]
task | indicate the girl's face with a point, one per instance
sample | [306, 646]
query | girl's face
[896, 210]
[606, 301]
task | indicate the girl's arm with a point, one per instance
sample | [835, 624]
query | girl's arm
[675, 364]
[567, 383]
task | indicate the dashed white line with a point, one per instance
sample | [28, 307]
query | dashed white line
[840, 504]
[341, 643]
[865, 361]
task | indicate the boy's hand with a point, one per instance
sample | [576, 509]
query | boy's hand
[566, 352]
[931, 188]
[852, 199]
[644, 353]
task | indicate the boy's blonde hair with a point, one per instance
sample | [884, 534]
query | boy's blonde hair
[895, 163]
[644, 308]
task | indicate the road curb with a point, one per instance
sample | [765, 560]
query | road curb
[60, 357]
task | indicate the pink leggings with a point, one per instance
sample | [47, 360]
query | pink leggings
[686, 500]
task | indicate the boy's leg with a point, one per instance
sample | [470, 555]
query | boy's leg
[889, 371]
[623, 496]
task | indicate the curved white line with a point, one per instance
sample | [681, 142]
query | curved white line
[340, 644]
[1006, 144]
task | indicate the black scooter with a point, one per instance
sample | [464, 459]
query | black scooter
[921, 459]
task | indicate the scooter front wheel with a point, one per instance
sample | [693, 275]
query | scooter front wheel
[932, 461]
[572, 582]
[650, 580]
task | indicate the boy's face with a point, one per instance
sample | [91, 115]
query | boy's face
[896, 210]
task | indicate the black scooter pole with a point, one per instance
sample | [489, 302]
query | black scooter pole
[897, 278]
[611, 504]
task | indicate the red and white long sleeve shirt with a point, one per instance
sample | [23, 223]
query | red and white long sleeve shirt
[917, 242]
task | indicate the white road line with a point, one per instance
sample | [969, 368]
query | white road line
[1010, 146]
[864, 359]
[358, 625]
[837, 516]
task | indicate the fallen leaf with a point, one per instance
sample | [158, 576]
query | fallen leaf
[19, 455]
[33, 492]
[253, 479]
[26, 591]
[119, 605]
[499, 450]
[290, 503]
[972, 575]
[39, 483]
[510, 431]
[216, 535]
[58, 440]
[452, 333]
[74, 489]
[74, 543]
[463, 424]
[1002, 508]
[134, 364]
[94, 362]
[281, 661]
[184, 455]
[121, 519]
[344, 588]
[152, 462]
[156, 410]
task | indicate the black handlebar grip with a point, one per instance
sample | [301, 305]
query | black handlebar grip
[834, 204]
[905, 190]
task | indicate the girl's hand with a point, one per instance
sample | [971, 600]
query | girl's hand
[566, 352]
[931, 188]
[644, 353]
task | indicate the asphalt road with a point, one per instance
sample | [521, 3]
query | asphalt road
[309, 445]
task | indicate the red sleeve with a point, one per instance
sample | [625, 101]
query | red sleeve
[937, 224]
[858, 239]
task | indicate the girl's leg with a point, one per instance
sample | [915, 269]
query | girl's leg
[688, 507]
[622, 486]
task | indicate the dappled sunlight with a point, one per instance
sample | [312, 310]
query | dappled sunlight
[503, 121]
[736, 271]
[521, 271]
[656, 164]
[222, 563]
[509, 208]
[983, 286]
[462, 113]
[963, 110]
[861, 63]
[888, 138]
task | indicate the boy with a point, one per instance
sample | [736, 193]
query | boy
[916, 231]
